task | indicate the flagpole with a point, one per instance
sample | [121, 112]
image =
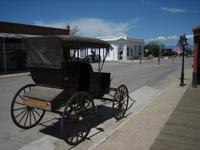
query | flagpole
[183, 42]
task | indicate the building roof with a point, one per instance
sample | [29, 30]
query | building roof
[120, 36]
[18, 28]
[196, 31]
[115, 37]
[10, 35]
[74, 41]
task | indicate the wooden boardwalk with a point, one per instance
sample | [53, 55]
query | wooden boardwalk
[182, 130]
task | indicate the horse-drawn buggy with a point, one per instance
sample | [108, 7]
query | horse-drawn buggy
[65, 83]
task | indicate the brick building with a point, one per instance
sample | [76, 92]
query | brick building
[12, 54]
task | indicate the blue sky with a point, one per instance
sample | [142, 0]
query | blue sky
[163, 20]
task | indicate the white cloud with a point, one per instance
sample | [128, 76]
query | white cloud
[93, 26]
[189, 37]
[174, 10]
[160, 38]
[169, 38]
[173, 37]
[163, 38]
[178, 10]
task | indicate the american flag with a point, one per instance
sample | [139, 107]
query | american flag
[179, 46]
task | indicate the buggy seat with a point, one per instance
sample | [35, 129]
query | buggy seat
[69, 75]
[78, 76]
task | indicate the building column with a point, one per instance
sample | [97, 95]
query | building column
[4, 55]
[195, 65]
[115, 53]
[125, 52]
[142, 51]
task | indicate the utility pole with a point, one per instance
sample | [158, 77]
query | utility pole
[140, 57]
[184, 43]
[159, 55]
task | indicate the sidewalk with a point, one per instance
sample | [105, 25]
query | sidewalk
[160, 124]
[14, 74]
[182, 130]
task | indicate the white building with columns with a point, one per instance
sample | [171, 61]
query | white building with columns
[124, 48]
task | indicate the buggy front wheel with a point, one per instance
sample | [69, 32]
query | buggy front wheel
[76, 121]
[23, 116]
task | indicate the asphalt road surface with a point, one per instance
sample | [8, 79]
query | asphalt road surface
[134, 75]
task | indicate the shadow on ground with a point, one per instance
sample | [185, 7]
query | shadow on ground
[52, 126]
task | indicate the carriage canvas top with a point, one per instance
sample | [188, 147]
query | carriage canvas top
[49, 51]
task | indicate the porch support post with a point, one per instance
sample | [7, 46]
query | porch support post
[4, 56]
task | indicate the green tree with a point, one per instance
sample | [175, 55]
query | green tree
[154, 47]
[189, 51]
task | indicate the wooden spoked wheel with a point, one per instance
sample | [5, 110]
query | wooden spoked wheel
[24, 116]
[120, 102]
[77, 118]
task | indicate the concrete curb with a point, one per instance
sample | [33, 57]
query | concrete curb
[93, 147]
[14, 75]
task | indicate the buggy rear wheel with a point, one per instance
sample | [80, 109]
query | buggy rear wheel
[120, 102]
[23, 116]
[76, 121]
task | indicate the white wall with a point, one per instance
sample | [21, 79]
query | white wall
[113, 54]
[122, 39]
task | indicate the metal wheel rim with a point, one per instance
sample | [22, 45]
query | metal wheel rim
[77, 117]
[120, 102]
[23, 116]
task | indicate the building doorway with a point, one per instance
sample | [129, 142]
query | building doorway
[120, 55]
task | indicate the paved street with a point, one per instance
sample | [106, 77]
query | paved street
[148, 76]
